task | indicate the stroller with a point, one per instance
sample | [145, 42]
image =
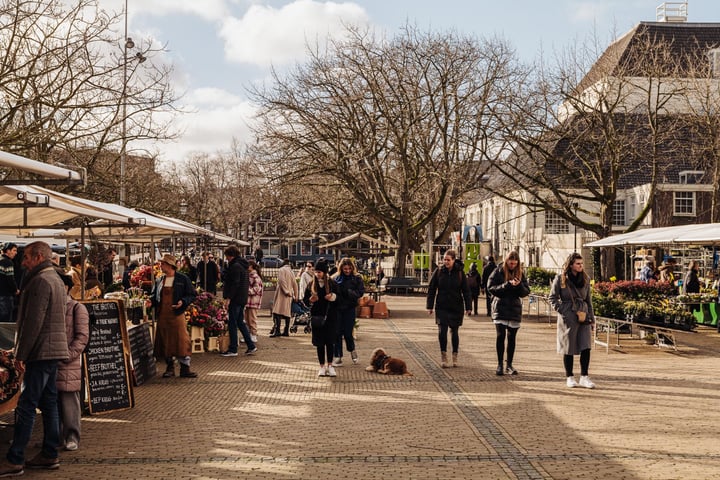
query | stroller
[300, 314]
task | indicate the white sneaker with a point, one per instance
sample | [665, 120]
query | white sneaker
[571, 383]
[331, 371]
[586, 382]
[337, 362]
[71, 446]
[354, 357]
[253, 338]
[322, 372]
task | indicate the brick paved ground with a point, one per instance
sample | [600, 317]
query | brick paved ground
[654, 414]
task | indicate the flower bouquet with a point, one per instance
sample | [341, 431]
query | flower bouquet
[208, 312]
[135, 304]
[144, 276]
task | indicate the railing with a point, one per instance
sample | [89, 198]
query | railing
[672, 12]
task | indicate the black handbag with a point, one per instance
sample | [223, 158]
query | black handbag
[319, 321]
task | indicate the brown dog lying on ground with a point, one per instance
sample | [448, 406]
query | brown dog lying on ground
[381, 362]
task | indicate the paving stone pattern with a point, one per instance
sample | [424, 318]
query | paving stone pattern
[654, 414]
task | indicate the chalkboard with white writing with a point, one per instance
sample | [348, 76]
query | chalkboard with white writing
[141, 353]
[105, 360]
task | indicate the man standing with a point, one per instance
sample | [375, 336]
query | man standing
[486, 272]
[106, 274]
[306, 278]
[41, 344]
[208, 273]
[8, 286]
[235, 292]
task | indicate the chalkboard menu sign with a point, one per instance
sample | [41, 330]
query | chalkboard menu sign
[105, 359]
[141, 353]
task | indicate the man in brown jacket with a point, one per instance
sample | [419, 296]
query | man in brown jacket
[41, 344]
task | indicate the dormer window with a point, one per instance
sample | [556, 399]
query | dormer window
[691, 177]
[714, 59]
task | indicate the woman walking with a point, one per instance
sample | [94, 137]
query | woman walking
[350, 289]
[508, 285]
[449, 297]
[321, 295]
[570, 298]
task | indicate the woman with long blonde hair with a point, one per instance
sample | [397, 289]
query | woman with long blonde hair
[508, 285]
[350, 289]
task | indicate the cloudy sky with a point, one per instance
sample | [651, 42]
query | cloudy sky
[220, 47]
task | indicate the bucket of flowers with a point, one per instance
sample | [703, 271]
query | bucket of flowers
[135, 304]
[144, 277]
[207, 314]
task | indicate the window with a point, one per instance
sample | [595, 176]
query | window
[632, 207]
[684, 203]
[555, 224]
[691, 177]
[714, 58]
[618, 214]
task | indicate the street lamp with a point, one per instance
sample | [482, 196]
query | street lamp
[128, 45]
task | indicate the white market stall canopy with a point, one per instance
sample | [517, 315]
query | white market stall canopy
[26, 209]
[700, 234]
[219, 237]
[56, 175]
[359, 237]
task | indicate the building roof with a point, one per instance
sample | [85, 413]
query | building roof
[686, 44]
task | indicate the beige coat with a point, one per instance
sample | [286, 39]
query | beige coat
[286, 291]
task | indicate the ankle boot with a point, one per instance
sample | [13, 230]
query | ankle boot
[444, 359]
[170, 369]
[454, 357]
[185, 371]
[286, 330]
[275, 332]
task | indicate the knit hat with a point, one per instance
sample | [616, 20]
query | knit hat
[321, 266]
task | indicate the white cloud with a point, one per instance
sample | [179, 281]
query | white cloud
[267, 35]
[583, 12]
[205, 9]
[213, 118]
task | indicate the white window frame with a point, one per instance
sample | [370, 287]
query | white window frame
[619, 208]
[554, 224]
[686, 197]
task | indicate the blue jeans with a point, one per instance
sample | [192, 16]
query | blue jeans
[236, 317]
[40, 392]
[346, 323]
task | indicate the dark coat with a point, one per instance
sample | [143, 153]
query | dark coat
[691, 283]
[572, 336]
[507, 303]
[213, 275]
[350, 290]
[328, 333]
[236, 282]
[474, 280]
[41, 316]
[182, 290]
[486, 272]
[449, 295]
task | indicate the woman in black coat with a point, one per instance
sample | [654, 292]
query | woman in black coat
[321, 295]
[449, 297]
[508, 285]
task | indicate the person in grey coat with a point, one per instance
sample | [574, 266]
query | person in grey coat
[41, 343]
[570, 297]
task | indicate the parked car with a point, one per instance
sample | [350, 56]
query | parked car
[271, 261]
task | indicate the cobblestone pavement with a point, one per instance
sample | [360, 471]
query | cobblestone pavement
[654, 414]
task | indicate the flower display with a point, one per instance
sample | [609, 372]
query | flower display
[209, 312]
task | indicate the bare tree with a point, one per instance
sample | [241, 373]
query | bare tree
[391, 132]
[581, 136]
[64, 79]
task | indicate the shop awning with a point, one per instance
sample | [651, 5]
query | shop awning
[361, 237]
[52, 174]
[702, 234]
[28, 208]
